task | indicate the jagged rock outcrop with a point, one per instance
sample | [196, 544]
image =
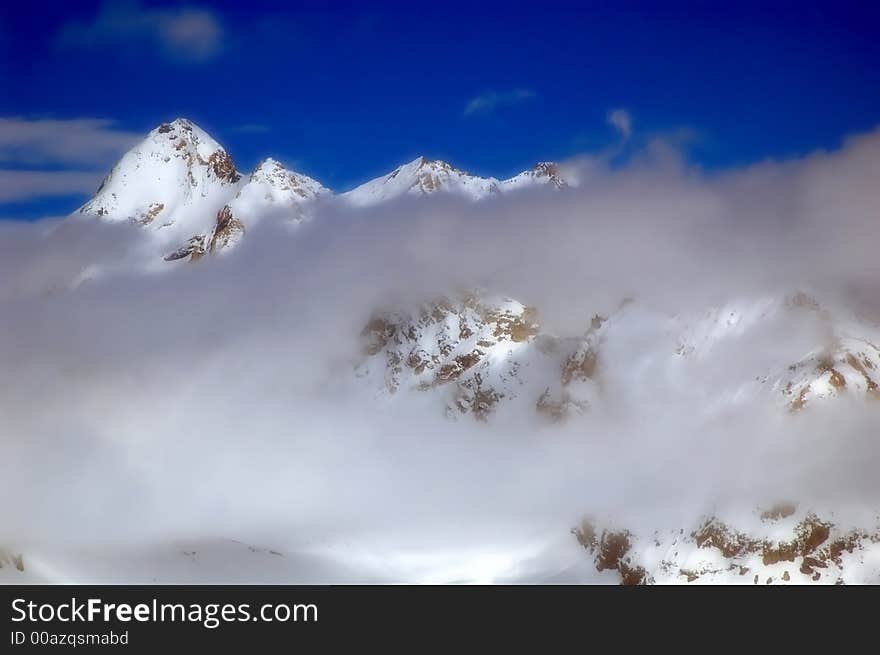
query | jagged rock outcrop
[475, 351]
[271, 190]
[779, 545]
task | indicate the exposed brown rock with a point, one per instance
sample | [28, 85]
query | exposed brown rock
[586, 535]
[376, 334]
[784, 552]
[778, 511]
[554, 410]
[715, 534]
[150, 215]
[812, 533]
[860, 366]
[222, 166]
[476, 399]
[559, 409]
[800, 402]
[11, 559]
[516, 327]
[194, 249]
[581, 365]
[801, 299]
[690, 575]
[226, 228]
[612, 554]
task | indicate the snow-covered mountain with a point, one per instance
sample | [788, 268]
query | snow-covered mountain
[479, 355]
[485, 355]
[270, 190]
[541, 174]
[422, 176]
[182, 187]
[780, 544]
[172, 184]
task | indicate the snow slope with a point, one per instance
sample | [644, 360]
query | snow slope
[181, 187]
[172, 184]
[479, 354]
[781, 544]
[543, 173]
[271, 190]
[482, 356]
[424, 176]
[421, 176]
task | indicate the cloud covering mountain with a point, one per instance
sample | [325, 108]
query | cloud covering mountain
[151, 404]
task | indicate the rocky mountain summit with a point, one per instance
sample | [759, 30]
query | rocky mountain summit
[182, 186]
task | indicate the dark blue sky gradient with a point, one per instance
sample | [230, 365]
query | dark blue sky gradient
[346, 91]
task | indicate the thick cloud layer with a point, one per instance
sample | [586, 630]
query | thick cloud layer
[218, 400]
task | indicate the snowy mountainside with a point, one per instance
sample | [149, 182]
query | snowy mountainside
[172, 184]
[181, 186]
[270, 189]
[422, 176]
[480, 354]
[542, 173]
[782, 544]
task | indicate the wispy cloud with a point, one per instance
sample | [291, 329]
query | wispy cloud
[620, 120]
[396, 490]
[489, 101]
[251, 128]
[17, 185]
[72, 154]
[185, 33]
[70, 141]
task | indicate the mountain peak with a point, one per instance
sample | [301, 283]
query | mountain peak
[273, 173]
[183, 130]
[422, 176]
[177, 125]
[544, 172]
[271, 189]
[268, 164]
[174, 182]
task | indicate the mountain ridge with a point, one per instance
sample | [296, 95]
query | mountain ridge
[183, 187]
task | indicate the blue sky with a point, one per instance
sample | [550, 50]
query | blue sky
[346, 91]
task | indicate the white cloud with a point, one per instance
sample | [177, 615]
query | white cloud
[62, 141]
[489, 101]
[72, 155]
[251, 128]
[186, 33]
[220, 400]
[18, 185]
[621, 121]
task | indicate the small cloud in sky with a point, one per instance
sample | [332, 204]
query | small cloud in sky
[251, 128]
[185, 33]
[489, 101]
[620, 120]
